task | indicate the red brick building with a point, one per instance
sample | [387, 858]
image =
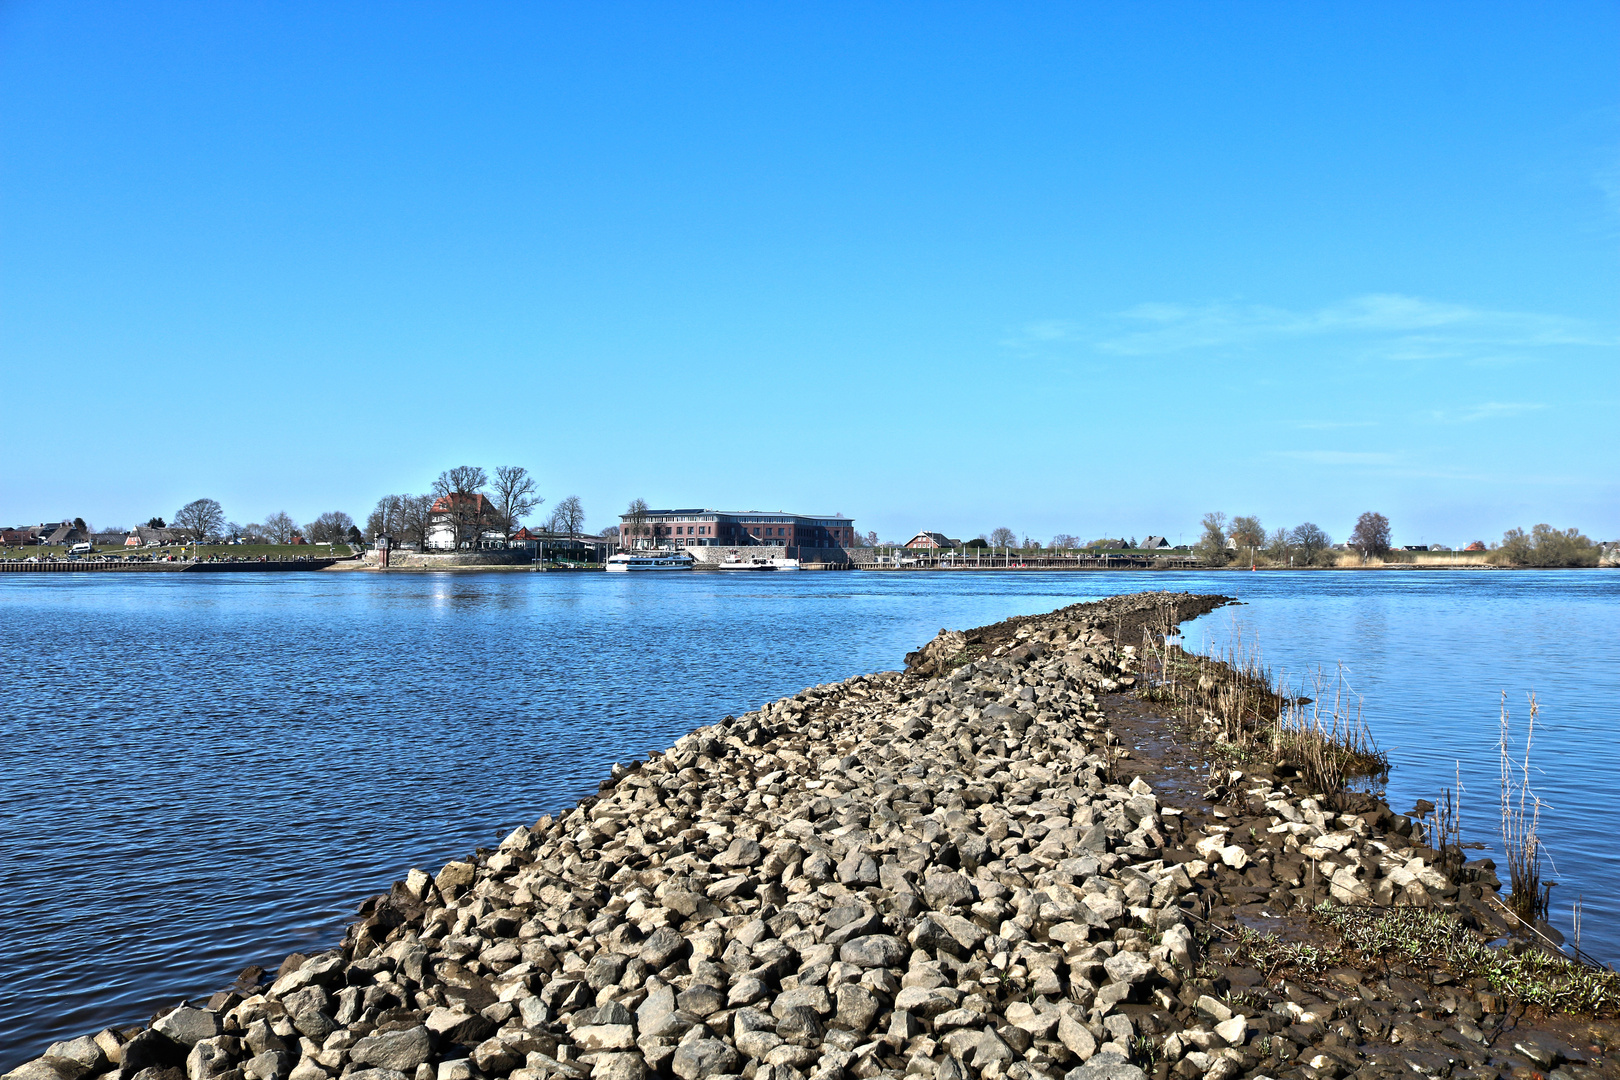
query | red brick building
[735, 528]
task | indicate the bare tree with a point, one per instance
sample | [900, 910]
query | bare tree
[1211, 546]
[870, 539]
[1310, 540]
[331, 527]
[635, 523]
[1371, 535]
[1278, 546]
[202, 518]
[460, 498]
[1003, 538]
[569, 516]
[1246, 532]
[515, 496]
[1064, 541]
[279, 527]
[384, 519]
[415, 519]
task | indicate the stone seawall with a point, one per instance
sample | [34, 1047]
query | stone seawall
[415, 560]
[942, 873]
[833, 555]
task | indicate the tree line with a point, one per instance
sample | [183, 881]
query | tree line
[203, 520]
[471, 503]
[1307, 544]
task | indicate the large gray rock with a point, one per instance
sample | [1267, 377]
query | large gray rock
[661, 947]
[703, 1058]
[857, 1008]
[814, 998]
[653, 1014]
[38, 1069]
[399, 1050]
[270, 1065]
[456, 1025]
[701, 1000]
[308, 1010]
[740, 855]
[1129, 968]
[597, 1037]
[83, 1055]
[212, 1057]
[629, 1066]
[1106, 1066]
[188, 1026]
[874, 951]
[947, 890]
[1076, 1036]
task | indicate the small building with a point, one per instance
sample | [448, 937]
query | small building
[545, 544]
[931, 541]
[1155, 543]
[1477, 545]
[65, 536]
[147, 536]
[469, 516]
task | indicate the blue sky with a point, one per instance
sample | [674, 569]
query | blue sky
[1082, 268]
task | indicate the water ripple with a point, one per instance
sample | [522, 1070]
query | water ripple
[201, 772]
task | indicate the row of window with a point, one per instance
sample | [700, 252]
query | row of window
[705, 530]
[769, 530]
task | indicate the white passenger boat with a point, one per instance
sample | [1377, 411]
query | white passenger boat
[758, 563]
[636, 562]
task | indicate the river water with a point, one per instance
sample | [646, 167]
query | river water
[199, 772]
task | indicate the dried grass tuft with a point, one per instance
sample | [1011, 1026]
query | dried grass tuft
[1521, 818]
[1233, 699]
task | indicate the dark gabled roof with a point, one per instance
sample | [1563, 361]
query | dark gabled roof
[444, 503]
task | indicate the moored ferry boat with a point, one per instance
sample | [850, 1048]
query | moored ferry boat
[635, 562]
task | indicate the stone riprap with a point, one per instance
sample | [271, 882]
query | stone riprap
[928, 874]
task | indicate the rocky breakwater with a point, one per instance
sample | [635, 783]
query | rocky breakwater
[937, 873]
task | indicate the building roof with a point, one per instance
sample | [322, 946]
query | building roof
[737, 513]
[938, 539]
[444, 504]
[146, 534]
[1155, 542]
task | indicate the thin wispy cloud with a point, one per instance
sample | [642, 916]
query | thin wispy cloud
[1333, 425]
[1339, 457]
[1384, 325]
[1490, 410]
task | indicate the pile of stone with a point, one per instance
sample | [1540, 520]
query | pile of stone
[932, 873]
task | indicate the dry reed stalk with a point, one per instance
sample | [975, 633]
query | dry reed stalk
[1330, 742]
[1521, 817]
[1448, 821]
